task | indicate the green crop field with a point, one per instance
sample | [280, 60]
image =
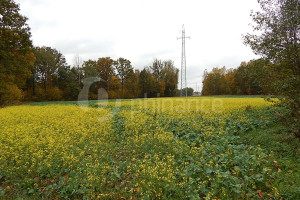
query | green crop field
[163, 148]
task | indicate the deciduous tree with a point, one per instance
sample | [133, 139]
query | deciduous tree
[170, 78]
[124, 69]
[147, 83]
[105, 71]
[277, 40]
[48, 62]
[16, 57]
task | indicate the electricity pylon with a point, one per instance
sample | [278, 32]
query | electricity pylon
[183, 64]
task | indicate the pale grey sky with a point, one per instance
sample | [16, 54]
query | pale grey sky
[141, 30]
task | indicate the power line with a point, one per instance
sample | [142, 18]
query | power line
[183, 64]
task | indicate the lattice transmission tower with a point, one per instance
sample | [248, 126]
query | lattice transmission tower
[183, 84]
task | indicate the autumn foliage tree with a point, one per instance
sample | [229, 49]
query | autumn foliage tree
[131, 86]
[214, 83]
[106, 71]
[247, 79]
[16, 57]
[42, 73]
[161, 77]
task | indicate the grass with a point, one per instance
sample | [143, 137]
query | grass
[91, 103]
[277, 140]
[236, 96]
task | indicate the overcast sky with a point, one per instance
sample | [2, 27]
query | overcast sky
[141, 30]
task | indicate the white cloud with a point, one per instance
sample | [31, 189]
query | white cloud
[143, 30]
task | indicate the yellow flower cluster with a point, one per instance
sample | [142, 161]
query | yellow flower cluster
[144, 148]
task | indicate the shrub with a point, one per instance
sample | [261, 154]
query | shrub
[54, 94]
[10, 94]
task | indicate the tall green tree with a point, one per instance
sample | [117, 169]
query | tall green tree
[89, 68]
[48, 62]
[147, 83]
[89, 71]
[249, 77]
[67, 82]
[170, 77]
[157, 71]
[277, 40]
[105, 71]
[16, 57]
[124, 69]
[244, 76]
[131, 85]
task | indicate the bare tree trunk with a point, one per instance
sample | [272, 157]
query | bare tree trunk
[78, 64]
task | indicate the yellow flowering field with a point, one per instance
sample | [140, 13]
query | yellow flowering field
[163, 148]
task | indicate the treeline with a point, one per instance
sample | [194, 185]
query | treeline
[276, 38]
[42, 73]
[53, 79]
[250, 78]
